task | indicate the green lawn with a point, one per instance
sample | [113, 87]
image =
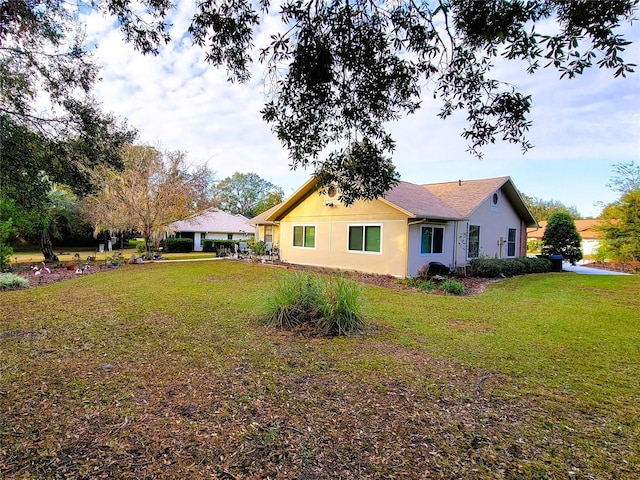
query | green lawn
[165, 371]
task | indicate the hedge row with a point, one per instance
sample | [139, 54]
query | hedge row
[220, 247]
[509, 267]
[178, 245]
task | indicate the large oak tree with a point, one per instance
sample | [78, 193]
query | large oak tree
[340, 70]
[52, 131]
[246, 194]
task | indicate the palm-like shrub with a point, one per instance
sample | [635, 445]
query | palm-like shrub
[452, 287]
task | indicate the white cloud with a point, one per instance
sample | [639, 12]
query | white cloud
[580, 127]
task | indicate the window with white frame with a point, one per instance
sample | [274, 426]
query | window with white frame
[304, 236]
[268, 233]
[511, 242]
[365, 238]
[473, 247]
[431, 240]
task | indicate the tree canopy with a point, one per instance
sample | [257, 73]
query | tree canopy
[625, 177]
[246, 194]
[621, 219]
[542, 209]
[154, 189]
[52, 132]
[46, 75]
[338, 72]
[32, 166]
[621, 227]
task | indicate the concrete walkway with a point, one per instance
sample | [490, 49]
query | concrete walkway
[567, 267]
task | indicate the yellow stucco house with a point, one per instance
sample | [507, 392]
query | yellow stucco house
[411, 226]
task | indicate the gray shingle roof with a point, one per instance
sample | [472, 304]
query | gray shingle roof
[466, 195]
[420, 202]
[212, 220]
[440, 201]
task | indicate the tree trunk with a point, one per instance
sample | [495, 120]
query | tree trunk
[47, 247]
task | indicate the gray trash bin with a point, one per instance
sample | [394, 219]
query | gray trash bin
[556, 263]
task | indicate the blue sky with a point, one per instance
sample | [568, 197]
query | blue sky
[581, 127]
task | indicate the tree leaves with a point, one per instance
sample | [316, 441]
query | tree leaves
[246, 194]
[339, 72]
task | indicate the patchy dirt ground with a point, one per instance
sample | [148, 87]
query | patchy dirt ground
[56, 273]
[472, 285]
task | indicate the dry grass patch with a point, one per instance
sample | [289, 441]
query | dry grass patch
[165, 371]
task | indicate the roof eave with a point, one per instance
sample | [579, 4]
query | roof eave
[292, 201]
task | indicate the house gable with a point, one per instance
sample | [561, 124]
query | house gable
[467, 196]
[368, 236]
[410, 226]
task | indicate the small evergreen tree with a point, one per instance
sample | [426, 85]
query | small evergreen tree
[562, 238]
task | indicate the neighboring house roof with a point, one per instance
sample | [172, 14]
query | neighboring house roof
[443, 201]
[262, 218]
[212, 220]
[588, 229]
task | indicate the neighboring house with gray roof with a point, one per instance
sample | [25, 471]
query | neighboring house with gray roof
[412, 226]
[214, 224]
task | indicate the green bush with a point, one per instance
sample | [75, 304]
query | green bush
[427, 285]
[328, 307]
[207, 245]
[10, 281]
[419, 282]
[535, 264]
[178, 245]
[508, 267]
[562, 238]
[6, 229]
[221, 248]
[139, 245]
[453, 287]
[602, 254]
[258, 248]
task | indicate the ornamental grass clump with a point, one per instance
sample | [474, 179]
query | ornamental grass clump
[297, 300]
[342, 313]
[11, 281]
[328, 307]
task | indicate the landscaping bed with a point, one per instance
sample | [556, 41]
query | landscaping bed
[628, 267]
[57, 273]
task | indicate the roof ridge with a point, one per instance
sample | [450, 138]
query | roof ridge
[475, 180]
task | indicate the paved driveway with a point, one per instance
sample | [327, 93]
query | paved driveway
[567, 267]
